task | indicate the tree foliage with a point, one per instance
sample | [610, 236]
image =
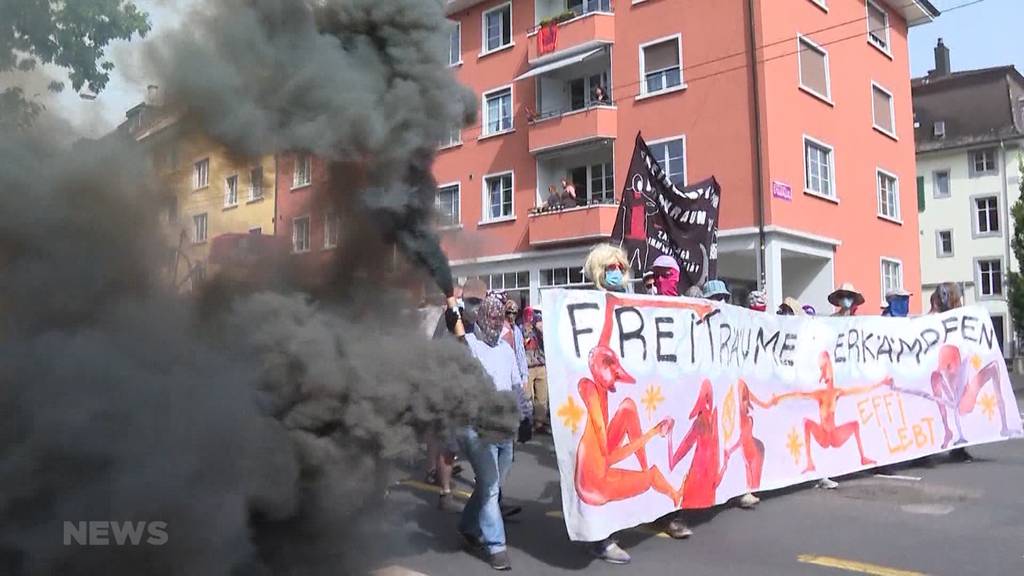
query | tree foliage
[1014, 279]
[69, 34]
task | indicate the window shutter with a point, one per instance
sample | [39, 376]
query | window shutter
[883, 110]
[812, 68]
[661, 56]
[876, 22]
[920, 193]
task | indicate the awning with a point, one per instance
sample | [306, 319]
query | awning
[559, 64]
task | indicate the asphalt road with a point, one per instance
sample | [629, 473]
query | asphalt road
[954, 519]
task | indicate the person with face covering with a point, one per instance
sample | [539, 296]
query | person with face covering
[482, 526]
[666, 275]
[607, 268]
[847, 299]
[649, 287]
[897, 303]
[757, 301]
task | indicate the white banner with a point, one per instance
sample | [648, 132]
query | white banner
[661, 403]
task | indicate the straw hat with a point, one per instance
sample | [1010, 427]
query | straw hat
[844, 291]
[897, 292]
[794, 305]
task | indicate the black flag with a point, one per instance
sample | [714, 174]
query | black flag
[656, 218]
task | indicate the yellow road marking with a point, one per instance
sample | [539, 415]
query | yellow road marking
[432, 488]
[854, 566]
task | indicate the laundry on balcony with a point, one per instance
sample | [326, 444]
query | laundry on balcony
[547, 38]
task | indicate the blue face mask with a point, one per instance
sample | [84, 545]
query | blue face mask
[899, 306]
[614, 278]
[846, 303]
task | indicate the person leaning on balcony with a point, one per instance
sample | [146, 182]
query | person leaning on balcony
[554, 199]
[600, 97]
[569, 198]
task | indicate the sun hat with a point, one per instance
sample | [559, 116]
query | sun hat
[664, 261]
[715, 288]
[794, 305]
[846, 290]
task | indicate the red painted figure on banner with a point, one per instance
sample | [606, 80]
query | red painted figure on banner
[640, 208]
[705, 474]
[753, 448]
[825, 432]
[598, 480]
[953, 391]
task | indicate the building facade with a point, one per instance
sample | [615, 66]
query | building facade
[970, 133]
[209, 190]
[801, 110]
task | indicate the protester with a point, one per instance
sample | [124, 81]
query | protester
[666, 275]
[513, 334]
[809, 310]
[846, 299]
[482, 526]
[757, 300]
[607, 268]
[716, 290]
[897, 303]
[537, 381]
[791, 307]
[649, 285]
[947, 297]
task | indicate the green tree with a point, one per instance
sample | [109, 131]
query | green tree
[1015, 280]
[70, 34]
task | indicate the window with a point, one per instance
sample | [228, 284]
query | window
[567, 277]
[940, 180]
[201, 174]
[499, 196]
[986, 216]
[944, 243]
[199, 228]
[882, 110]
[256, 231]
[990, 277]
[300, 234]
[939, 129]
[892, 276]
[660, 65]
[515, 285]
[302, 171]
[983, 162]
[497, 28]
[888, 195]
[447, 204]
[920, 193]
[602, 184]
[455, 45]
[999, 326]
[818, 168]
[256, 183]
[580, 7]
[231, 191]
[878, 27]
[498, 111]
[332, 229]
[814, 75]
[671, 155]
[454, 138]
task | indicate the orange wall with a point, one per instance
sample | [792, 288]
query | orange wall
[847, 126]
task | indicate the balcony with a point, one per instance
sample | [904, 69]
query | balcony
[586, 223]
[595, 123]
[591, 30]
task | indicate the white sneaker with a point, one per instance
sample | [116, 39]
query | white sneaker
[828, 484]
[610, 552]
[748, 501]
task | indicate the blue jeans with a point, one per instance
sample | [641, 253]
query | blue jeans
[482, 516]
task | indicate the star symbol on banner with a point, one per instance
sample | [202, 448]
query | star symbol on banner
[976, 362]
[729, 414]
[794, 445]
[988, 405]
[571, 413]
[652, 398]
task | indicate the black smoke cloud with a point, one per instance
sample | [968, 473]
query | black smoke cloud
[259, 429]
[362, 83]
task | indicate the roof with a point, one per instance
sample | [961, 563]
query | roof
[975, 107]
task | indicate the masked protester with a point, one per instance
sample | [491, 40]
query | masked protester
[847, 299]
[757, 301]
[717, 290]
[897, 303]
[649, 283]
[537, 381]
[666, 275]
[482, 525]
[607, 268]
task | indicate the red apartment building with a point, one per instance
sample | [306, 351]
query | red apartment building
[814, 147]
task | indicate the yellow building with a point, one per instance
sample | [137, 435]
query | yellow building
[210, 190]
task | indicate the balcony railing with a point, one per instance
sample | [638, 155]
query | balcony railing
[571, 225]
[554, 130]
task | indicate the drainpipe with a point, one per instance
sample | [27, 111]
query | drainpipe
[758, 169]
[1004, 173]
